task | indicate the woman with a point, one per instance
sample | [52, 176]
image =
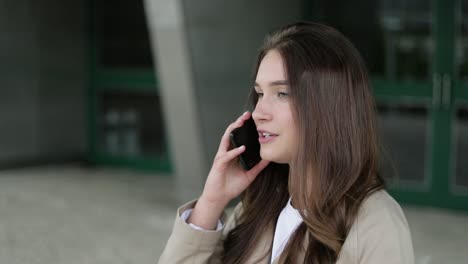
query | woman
[316, 195]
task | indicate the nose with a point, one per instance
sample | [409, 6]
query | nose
[261, 112]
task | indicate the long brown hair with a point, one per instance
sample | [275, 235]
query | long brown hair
[336, 165]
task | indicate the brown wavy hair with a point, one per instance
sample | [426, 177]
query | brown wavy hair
[336, 164]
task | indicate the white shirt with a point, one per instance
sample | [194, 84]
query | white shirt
[186, 214]
[288, 221]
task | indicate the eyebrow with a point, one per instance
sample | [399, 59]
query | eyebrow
[275, 83]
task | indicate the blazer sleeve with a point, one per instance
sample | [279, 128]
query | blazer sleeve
[188, 245]
[382, 233]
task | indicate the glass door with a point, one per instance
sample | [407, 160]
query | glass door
[126, 126]
[409, 49]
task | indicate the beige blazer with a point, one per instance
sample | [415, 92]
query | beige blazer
[379, 235]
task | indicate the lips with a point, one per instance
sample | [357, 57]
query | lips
[265, 136]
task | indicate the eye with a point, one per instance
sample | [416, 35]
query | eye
[283, 95]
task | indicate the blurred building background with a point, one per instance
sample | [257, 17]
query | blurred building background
[136, 95]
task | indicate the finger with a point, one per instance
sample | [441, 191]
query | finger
[232, 154]
[253, 172]
[225, 140]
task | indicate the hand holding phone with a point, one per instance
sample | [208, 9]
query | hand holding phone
[226, 180]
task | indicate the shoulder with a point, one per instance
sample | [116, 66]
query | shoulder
[380, 232]
[381, 216]
[382, 206]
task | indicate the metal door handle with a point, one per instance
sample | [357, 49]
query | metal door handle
[447, 90]
[436, 90]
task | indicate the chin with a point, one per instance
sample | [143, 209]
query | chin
[272, 156]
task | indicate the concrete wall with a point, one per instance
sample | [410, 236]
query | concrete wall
[223, 39]
[43, 70]
[43, 80]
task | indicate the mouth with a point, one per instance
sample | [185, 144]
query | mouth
[265, 137]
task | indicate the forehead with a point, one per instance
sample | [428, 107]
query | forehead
[271, 68]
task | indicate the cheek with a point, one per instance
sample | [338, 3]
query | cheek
[292, 134]
[290, 125]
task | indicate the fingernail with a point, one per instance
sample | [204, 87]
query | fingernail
[245, 112]
[241, 147]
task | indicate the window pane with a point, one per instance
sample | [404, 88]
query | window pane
[461, 50]
[394, 37]
[403, 131]
[122, 35]
[461, 146]
[130, 124]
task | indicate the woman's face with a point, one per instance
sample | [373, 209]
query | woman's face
[272, 114]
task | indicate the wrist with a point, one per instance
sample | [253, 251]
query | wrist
[206, 214]
[213, 204]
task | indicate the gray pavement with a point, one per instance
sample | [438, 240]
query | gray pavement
[70, 214]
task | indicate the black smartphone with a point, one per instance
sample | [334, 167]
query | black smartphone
[247, 135]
